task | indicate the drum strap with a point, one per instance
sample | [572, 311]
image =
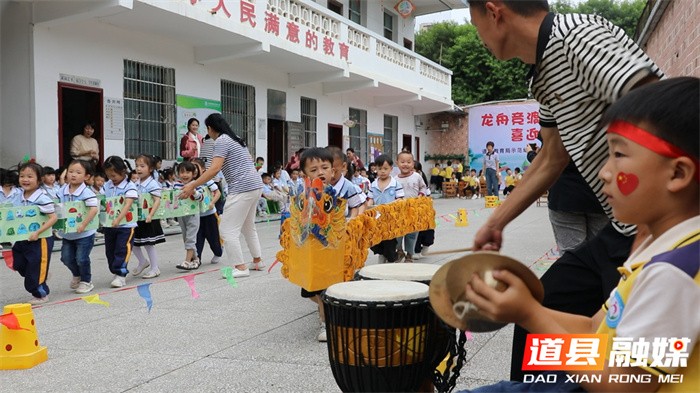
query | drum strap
[445, 383]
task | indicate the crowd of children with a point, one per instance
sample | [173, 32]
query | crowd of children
[32, 184]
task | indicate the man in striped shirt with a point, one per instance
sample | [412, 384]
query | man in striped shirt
[581, 65]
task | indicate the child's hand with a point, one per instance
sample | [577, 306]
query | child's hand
[512, 305]
[115, 223]
[34, 236]
[81, 228]
[211, 205]
[148, 220]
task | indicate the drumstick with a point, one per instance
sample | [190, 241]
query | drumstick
[450, 251]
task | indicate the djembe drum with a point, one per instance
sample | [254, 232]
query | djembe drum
[447, 347]
[381, 335]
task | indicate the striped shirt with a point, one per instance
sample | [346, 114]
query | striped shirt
[584, 64]
[238, 167]
[207, 152]
[82, 193]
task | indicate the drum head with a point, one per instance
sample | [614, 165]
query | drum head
[449, 283]
[421, 272]
[377, 290]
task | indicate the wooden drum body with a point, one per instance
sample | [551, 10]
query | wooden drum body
[381, 335]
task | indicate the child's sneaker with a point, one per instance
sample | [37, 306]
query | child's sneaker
[381, 259]
[118, 281]
[215, 259]
[322, 333]
[409, 258]
[425, 251]
[84, 287]
[140, 268]
[38, 300]
[74, 282]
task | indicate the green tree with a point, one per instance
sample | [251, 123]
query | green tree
[480, 77]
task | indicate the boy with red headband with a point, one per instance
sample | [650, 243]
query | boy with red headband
[651, 178]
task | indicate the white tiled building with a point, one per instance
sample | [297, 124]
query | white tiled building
[287, 74]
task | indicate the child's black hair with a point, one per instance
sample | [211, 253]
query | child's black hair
[417, 166]
[188, 166]
[150, 161]
[200, 162]
[519, 7]
[117, 164]
[350, 172]
[47, 170]
[157, 159]
[382, 159]
[100, 174]
[449, 163]
[338, 153]
[517, 170]
[672, 114]
[9, 177]
[167, 173]
[265, 175]
[38, 169]
[259, 159]
[315, 153]
[87, 165]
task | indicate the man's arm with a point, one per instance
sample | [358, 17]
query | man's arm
[544, 171]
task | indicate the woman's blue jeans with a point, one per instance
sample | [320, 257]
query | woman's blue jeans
[491, 182]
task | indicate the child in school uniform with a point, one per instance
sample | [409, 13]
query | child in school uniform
[189, 225]
[76, 247]
[209, 220]
[148, 232]
[119, 238]
[49, 183]
[344, 188]
[9, 179]
[98, 183]
[385, 189]
[32, 256]
[413, 187]
[651, 178]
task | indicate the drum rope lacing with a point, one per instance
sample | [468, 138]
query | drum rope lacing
[445, 383]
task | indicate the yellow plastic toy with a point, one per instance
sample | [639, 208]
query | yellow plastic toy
[462, 218]
[19, 348]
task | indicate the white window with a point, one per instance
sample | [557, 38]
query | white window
[149, 110]
[391, 130]
[358, 133]
[238, 108]
[355, 11]
[308, 119]
[389, 26]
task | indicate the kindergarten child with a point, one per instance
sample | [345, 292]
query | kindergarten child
[270, 193]
[209, 220]
[98, 183]
[10, 185]
[413, 187]
[510, 182]
[76, 247]
[385, 189]
[317, 163]
[49, 182]
[119, 238]
[32, 256]
[148, 232]
[344, 188]
[187, 172]
[651, 178]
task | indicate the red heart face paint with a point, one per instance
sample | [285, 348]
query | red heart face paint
[627, 182]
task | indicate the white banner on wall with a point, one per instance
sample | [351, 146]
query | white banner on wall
[113, 118]
[509, 126]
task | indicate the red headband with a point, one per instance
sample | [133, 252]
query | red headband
[651, 142]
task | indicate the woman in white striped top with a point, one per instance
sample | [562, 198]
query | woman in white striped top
[244, 190]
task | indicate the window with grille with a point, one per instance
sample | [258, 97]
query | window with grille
[391, 130]
[238, 108]
[355, 11]
[308, 119]
[358, 133]
[389, 26]
[149, 110]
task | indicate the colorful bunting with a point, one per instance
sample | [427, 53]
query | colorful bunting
[9, 259]
[228, 273]
[271, 266]
[10, 321]
[190, 282]
[145, 293]
[94, 299]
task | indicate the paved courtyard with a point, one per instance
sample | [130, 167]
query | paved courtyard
[257, 337]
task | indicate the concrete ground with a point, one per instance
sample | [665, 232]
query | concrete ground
[257, 337]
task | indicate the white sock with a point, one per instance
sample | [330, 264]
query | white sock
[139, 255]
[153, 256]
